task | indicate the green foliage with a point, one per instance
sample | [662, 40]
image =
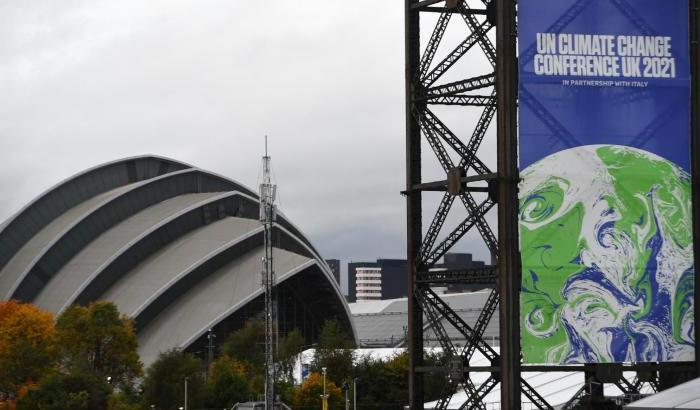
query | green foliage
[288, 352]
[334, 337]
[164, 384]
[334, 352]
[77, 391]
[122, 401]
[26, 345]
[247, 344]
[95, 339]
[383, 384]
[228, 383]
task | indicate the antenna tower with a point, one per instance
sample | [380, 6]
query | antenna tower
[267, 217]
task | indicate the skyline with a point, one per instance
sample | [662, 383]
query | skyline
[87, 82]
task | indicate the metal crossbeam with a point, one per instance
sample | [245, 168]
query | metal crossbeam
[433, 43]
[436, 225]
[457, 87]
[463, 100]
[481, 225]
[448, 136]
[485, 317]
[534, 397]
[475, 27]
[453, 318]
[473, 276]
[456, 54]
[435, 143]
[478, 396]
[479, 133]
[457, 233]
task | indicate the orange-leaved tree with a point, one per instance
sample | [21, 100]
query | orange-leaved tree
[27, 345]
[308, 396]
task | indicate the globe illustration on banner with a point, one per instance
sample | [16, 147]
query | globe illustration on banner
[607, 253]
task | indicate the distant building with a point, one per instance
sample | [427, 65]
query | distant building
[334, 264]
[352, 277]
[393, 274]
[368, 284]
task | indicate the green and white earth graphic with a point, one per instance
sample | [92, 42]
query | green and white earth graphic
[606, 242]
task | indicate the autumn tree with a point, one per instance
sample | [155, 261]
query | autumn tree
[228, 383]
[26, 345]
[308, 396]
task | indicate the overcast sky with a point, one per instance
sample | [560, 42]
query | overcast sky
[202, 81]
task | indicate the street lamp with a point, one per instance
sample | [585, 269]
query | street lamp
[186, 380]
[354, 392]
[324, 398]
[346, 389]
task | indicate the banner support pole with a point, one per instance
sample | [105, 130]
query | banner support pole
[509, 258]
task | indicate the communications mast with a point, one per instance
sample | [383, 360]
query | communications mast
[267, 217]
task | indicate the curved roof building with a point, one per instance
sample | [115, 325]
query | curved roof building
[177, 248]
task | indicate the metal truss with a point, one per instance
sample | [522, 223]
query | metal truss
[468, 178]
[424, 91]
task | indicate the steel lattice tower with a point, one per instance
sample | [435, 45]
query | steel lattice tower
[267, 217]
[488, 93]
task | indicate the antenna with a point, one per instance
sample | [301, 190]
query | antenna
[267, 217]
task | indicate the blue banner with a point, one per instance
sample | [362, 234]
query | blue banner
[605, 209]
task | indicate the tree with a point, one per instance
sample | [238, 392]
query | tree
[97, 340]
[308, 396]
[164, 384]
[288, 352]
[247, 346]
[228, 383]
[334, 352]
[27, 348]
[77, 391]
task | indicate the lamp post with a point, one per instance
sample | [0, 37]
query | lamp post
[346, 389]
[186, 379]
[354, 392]
[324, 397]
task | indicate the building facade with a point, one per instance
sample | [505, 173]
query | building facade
[369, 284]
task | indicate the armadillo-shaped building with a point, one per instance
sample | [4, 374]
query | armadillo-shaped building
[177, 248]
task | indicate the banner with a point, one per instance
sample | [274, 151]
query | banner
[605, 197]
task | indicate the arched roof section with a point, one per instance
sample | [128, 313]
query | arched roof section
[156, 237]
[96, 256]
[45, 208]
[80, 231]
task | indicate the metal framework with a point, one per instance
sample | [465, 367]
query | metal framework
[267, 217]
[494, 91]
